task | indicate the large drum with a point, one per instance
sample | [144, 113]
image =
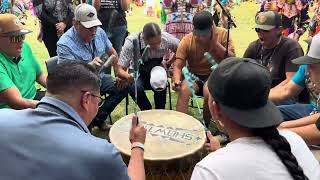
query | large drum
[174, 142]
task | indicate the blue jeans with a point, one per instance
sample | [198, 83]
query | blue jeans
[295, 111]
[113, 98]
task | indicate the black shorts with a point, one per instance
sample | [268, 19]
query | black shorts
[201, 83]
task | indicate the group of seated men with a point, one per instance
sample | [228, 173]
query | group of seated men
[86, 41]
[234, 96]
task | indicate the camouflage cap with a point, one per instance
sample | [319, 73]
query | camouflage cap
[268, 20]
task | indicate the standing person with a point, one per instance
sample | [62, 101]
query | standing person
[158, 42]
[19, 69]
[273, 50]
[56, 18]
[86, 41]
[238, 101]
[52, 141]
[112, 14]
[206, 37]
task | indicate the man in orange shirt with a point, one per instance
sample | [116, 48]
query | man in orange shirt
[206, 37]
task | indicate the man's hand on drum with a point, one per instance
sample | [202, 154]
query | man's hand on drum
[213, 144]
[137, 132]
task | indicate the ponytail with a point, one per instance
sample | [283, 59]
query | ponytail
[282, 148]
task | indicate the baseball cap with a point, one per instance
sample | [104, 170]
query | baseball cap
[87, 15]
[241, 88]
[202, 23]
[313, 56]
[268, 20]
[11, 26]
[158, 78]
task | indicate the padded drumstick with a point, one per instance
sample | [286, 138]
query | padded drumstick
[210, 59]
[187, 76]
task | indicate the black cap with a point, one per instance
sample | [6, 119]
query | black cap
[241, 88]
[202, 23]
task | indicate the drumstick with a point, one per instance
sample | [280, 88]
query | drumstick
[136, 64]
[188, 77]
[210, 59]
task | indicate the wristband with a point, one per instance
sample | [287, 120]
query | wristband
[318, 124]
[137, 145]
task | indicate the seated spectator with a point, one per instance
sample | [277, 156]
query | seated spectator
[273, 50]
[88, 42]
[158, 43]
[19, 69]
[238, 102]
[206, 37]
[306, 115]
[52, 141]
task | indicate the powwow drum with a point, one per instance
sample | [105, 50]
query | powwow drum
[173, 144]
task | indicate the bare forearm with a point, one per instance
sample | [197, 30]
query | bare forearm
[177, 69]
[42, 80]
[301, 122]
[122, 73]
[136, 165]
[310, 133]
[24, 104]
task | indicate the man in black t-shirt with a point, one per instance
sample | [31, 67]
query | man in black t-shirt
[274, 50]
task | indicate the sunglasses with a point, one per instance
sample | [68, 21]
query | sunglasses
[261, 30]
[16, 39]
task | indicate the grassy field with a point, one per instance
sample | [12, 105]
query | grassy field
[242, 36]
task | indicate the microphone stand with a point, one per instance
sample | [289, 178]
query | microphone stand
[229, 24]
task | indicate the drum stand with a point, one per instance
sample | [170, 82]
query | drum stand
[230, 23]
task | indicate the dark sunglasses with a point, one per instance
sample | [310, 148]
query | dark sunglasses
[16, 39]
[261, 30]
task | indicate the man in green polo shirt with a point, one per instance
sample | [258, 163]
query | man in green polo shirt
[19, 70]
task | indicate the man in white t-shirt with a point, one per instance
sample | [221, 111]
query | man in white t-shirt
[238, 102]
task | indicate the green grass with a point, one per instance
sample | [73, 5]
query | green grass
[242, 36]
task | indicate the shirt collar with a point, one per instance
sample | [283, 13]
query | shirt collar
[62, 106]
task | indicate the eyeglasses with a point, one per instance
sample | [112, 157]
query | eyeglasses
[261, 30]
[16, 39]
[101, 100]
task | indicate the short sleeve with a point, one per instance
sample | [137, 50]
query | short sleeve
[64, 53]
[182, 51]
[251, 51]
[5, 82]
[126, 54]
[299, 77]
[202, 173]
[294, 52]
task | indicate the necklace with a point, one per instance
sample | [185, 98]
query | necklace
[268, 62]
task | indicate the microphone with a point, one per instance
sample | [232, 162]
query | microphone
[210, 59]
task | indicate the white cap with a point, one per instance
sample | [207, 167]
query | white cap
[158, 78]
[87, 15]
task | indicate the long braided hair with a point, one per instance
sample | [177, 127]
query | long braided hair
[282, 148]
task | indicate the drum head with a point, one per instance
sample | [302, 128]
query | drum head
[170, 134]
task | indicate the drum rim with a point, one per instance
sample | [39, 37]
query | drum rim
[169, 157]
